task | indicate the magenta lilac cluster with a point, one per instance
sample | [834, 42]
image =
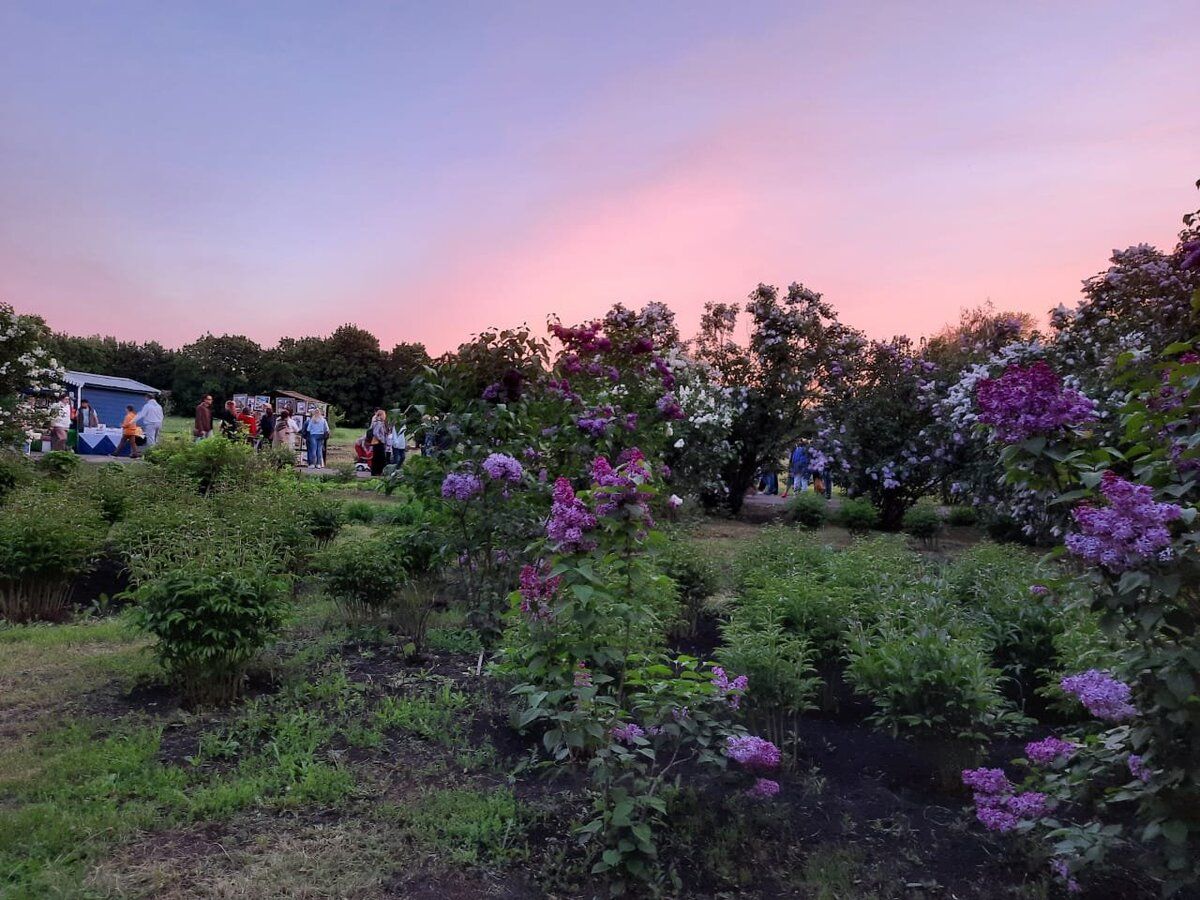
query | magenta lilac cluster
[596, 421]
[732, 691]
[502, 467]
[538, 591]
[570, 520]
[623, 489]
[1131, 530]
[998, 806]
[1138, 768]
[461, 486]
[762, 789]
[753, 753]
[668, 407]
[627, 733]
[1047, 750]
[1030, 400]
[1104, 696]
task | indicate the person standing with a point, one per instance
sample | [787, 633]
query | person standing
[151, 419]
[282, 435]
[130, 432]
[85, 416]
[249, 423]
[798, 471]
[60, 422]
[204, 418]
[377, 440]
[398, 443]
[230, 425]
[266, 427]
[318, 435]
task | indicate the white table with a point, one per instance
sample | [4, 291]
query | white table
[98, 441]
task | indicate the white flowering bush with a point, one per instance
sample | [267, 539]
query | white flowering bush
[25, 366]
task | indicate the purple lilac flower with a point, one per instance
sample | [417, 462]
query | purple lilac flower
[621, 490]
[569, 520]
[1062, 869]
[754, 753]
[538, 591]
[732, 691]
[995, 817]
[762, 789]
[1039, 590]
[1130, 530]
[1046, 751]
[674, 501]
[1138, 768]
[493, 391]
[987, 781]
[627, 733]
[1191, 255]
[461, 486]
[668, 407]
[1029, 400]
[1027, 805]
[1104, 696]
[583, 676]
[501, 466]
[997, 807]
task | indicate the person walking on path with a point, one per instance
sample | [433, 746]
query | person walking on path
[60, 422]
[798, 471]
[204, 418]
[377, 440]
[151, 419]
[130, 432]
[318, 434]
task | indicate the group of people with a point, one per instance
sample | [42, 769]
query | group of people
[270, 429]
[801, 474]
[384, 442]
[139, 428]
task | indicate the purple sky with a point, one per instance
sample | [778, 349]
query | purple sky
[427, 170]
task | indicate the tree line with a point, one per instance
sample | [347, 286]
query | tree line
[348, 368]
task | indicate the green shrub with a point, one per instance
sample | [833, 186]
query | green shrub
[412, 513]
[817, 609]
[112, 490]
[926, 675]
[777, 550]
[363, 575]
[325, 520]
[46, 541]
[695, 575]
[58, 463]
[808, 510]
[14, 472]
[360, 511]
[209, 625]
[857, 515]
[779, 666]
[962, 516]
[923, 521]
[210, 464]
[277, 459]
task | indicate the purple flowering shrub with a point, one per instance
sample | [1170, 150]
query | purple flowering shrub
[1030, 401]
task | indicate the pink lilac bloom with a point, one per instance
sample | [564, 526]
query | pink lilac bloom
[1046, 751]
[1138, 768]
[1030, 400]
[583, 677]
[674, 501]
[762, 789]
[501, 466]
[538, 592]
[755, 754]
[1104, 696]
[461, 486]
[1131, 530]
[732, 691]
[569, 521]
[1062, 869]
[627, 733]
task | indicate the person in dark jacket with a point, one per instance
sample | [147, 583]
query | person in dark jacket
[204, 417]
[266, 428]
[85, 416]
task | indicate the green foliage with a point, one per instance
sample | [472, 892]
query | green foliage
[857, 515]
[924, 522]
[47, 539]
[454, 640]
[695, 575]
[211, 464]
[471, 826]
[362, 574]
[926, 674]
[433, 715]
[209, 625]
[962, 516]
[325, 520]
[808, 510]
[58, 463]
[14, 472]
[360, 511]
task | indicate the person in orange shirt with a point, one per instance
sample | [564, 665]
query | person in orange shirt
[130, 432]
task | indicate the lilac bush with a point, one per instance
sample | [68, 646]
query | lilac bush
[502, 467]
[1105, 697]
[1049, 750]
[1128, 532]
[1027, 401]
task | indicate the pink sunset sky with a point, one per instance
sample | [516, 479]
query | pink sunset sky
[428, 170]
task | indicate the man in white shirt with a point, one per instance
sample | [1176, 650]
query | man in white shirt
[60, 422]
[151, 420]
